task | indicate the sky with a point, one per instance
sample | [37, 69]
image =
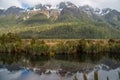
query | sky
[114, 4]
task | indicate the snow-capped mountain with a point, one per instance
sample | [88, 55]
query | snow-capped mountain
[67, 10]
[89, 10]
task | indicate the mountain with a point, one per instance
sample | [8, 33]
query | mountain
[88, 9]
[38, 18]
[1, 11]
[69, 14]
[66, 4]
[66, 20]
[10, 16]
[13, 10]
[113, 17]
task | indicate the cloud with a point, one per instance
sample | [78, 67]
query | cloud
[7, 3]
[53, 2]
[114, 4]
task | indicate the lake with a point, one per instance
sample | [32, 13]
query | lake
[107, 69]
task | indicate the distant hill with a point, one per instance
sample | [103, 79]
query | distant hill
[13, 10]
[1, 11]
[65, 21]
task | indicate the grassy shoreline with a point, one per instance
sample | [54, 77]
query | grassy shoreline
[13, 48]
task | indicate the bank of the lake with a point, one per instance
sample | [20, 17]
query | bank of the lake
[13, 49]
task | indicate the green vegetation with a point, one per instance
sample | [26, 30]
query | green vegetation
[84, 76]
[70, 24]
[119, 74]
[37, 18]
[70, 30]
[13, 48]
[95, 75]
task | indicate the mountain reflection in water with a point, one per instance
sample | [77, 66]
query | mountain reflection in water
[54, 75]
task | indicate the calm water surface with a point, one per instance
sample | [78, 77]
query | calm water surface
[26, 74]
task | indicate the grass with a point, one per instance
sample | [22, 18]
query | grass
[55, 41]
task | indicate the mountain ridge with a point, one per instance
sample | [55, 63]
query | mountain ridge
[46, 21]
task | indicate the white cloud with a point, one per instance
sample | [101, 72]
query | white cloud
[94, 3]
[7, 3]
[114, 4]
[53, 2]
